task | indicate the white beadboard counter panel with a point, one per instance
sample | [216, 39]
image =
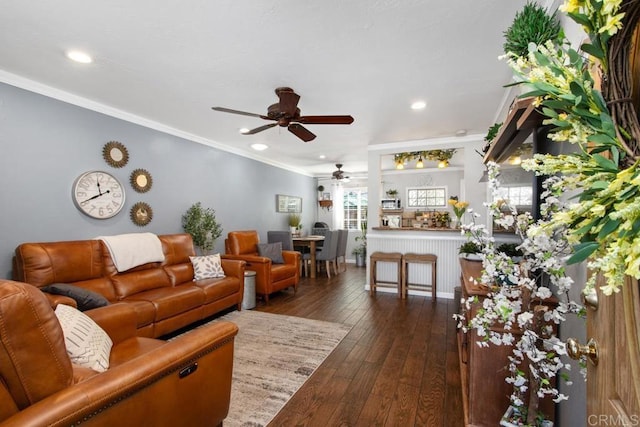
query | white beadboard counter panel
[444, 244]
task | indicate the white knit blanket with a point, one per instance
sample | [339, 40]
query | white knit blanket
[130, 250]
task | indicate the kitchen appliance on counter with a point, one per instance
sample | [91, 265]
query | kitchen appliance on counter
[390, 204]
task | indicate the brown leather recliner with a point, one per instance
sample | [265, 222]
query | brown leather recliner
[270, 277]
[184, 382]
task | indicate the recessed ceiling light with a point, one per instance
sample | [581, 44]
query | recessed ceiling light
[418, 105]
[461, 132]
[259, 147]
[322, 156]
[77, 56]
[244, 131]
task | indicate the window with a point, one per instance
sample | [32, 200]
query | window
[517, 195]
[427, 197]
[355, 208]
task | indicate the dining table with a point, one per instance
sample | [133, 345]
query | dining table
[310, 242]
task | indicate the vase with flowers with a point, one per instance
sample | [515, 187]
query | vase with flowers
[459, 208]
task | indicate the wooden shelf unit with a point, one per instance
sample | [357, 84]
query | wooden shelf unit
[522, 120]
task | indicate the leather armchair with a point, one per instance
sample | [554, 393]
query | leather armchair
[186, 381]
[243, 245]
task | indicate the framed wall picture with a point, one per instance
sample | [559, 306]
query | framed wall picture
[288, 204]
[326, 196]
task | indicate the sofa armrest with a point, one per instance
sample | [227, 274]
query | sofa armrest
[249, 259]
[54, 300]
[159, 381]
[233, 268]
[118, 320]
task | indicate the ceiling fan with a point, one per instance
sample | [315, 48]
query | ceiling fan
[339, 173]
[287, 114]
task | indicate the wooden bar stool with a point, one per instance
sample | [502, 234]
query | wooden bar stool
[376, 257]
[418, 259]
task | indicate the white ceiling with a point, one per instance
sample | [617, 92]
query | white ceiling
[168, 62]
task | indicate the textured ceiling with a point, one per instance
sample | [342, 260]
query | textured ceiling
[169, 62]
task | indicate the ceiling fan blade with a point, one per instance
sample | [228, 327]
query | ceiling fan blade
[301, 132]
[288, 102]
[260, 129]
[244, 113]
[326, 120]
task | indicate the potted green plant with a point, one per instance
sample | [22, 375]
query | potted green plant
[360, 251]
[295, 223]
[511, 250]
[531, 25]
[470, 250]
[201, 223]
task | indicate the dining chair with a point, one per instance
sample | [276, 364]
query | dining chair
[341, 252]
[319, 229]
[281, 236]
[328, 252]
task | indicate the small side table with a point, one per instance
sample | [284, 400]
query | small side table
[249, 298]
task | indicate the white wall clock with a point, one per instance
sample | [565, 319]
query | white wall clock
[98, 194]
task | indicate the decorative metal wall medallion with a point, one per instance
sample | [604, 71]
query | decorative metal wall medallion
[141, 214]
[141, 180]
[115, 154]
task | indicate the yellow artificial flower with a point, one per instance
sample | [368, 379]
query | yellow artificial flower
[613, 24]
[598, 210]
[570, 6]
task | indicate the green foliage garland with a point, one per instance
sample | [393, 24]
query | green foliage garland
[604, 220]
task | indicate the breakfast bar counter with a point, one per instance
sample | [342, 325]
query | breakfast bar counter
[442, 242]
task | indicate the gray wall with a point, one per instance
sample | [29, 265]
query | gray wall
[47, 143]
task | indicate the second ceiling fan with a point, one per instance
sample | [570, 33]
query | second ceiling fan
[286, 113]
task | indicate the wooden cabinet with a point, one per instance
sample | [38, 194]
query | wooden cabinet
[485, 394]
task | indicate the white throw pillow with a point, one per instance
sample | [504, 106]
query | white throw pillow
[88, 345]
[206, 267]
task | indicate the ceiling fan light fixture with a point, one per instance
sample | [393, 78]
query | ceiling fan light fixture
[259, 147]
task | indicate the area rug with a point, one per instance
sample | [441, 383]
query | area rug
[274, 356]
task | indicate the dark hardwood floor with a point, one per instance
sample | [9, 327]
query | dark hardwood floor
[398, 366]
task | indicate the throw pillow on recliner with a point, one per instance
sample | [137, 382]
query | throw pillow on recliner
[206, 267]
[85, 298]
[273, 251]
[87, 343]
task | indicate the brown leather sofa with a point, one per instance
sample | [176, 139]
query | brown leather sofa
[270, 277]
[184, 382]
[163, 294]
